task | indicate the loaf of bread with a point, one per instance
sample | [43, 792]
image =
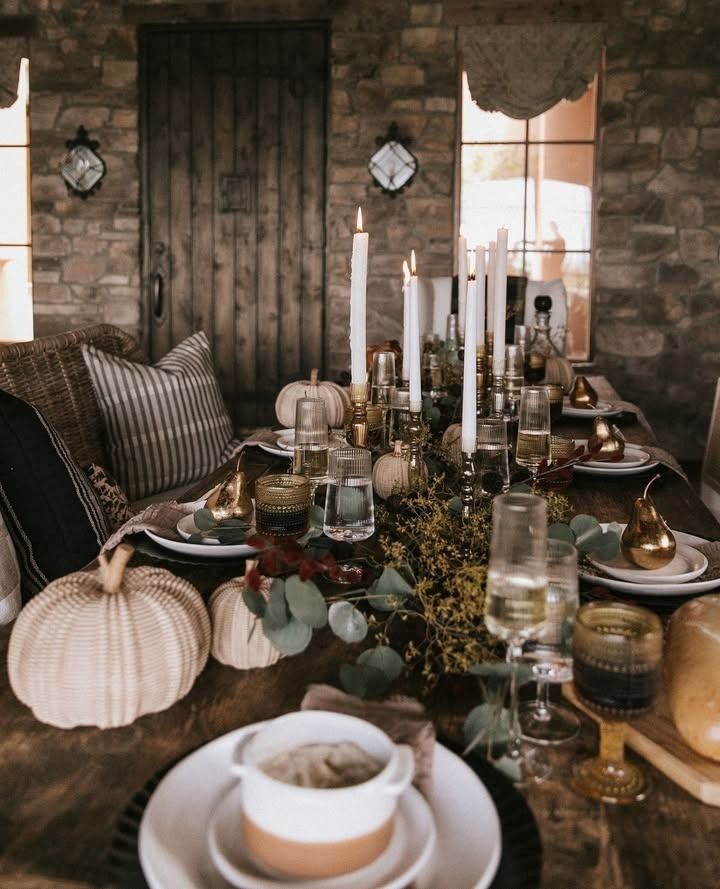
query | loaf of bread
[692, 674]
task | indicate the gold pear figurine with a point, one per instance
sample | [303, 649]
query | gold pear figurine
[606, 442]
[582, 394]
[647, 541]
[230, 499]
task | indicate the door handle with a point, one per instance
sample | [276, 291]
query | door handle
[158, 294]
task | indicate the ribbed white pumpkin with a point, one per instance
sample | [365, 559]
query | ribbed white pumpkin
[104, 647]
[452, 443]
[391, 472]
[237, 636]
[335, 397]
[559, 370]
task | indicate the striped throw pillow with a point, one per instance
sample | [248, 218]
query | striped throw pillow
[166, 425]
[54, 518]
[9, 577]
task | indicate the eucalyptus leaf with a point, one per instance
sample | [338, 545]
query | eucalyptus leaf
[362, 680]
[486, 724]
[316, 516]
[195, 538]
[290, 639]
[455, 505]
[276, 614]
[616, 528]
[383, 658]
[254, 601]
[347, 622]
[509, 767]
[501, 670]
[561, 531]
[520, 488]
[389, 591]
[607, 547]
[204, 519]
[306, 602]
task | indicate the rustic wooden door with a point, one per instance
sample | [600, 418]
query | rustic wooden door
[233, 202]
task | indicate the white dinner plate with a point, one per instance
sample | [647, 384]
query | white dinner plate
[286, 442]
[212, 548]
[686, 565]
[692, 587]
[601, 409]
[173, 843]
[633, 457]
[411, 846]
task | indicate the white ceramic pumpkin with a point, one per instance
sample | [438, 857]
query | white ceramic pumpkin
[335, 397]
[452, 443]
[104, 647]
[559, 370]
[391, 472]
[237, 636]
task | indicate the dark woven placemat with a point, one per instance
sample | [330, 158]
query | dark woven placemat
[520, 866]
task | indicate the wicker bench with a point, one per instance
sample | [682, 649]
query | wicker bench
[49, 372]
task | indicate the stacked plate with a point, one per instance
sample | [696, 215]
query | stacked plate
[191, 838]
[634, 460]
[601, 409]
[285, 442]
[208, 547]
[682, 577]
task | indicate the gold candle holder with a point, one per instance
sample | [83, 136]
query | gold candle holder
[282, 505]
[417, 471]
[358, 435]
[480, 381]
[467, 485]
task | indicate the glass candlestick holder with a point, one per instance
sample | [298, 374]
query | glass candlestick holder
[358, 432]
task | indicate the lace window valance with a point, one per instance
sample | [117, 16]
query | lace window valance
[522, 70]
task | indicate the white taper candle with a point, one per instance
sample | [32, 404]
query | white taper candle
[358, 303]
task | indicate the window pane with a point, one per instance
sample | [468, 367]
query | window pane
[16, 316]
[487, 126]
[559, 197]
[492, 192]
[567, 121]
[14, 228]
[574, 269]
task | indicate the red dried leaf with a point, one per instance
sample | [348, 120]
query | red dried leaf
[307, 568]
[256, 542]
[334, 572]
[270, 562]
[291, 553]
[328, 560]
[254, 579]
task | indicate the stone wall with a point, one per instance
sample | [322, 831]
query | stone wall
[657, 279]
[656, 270]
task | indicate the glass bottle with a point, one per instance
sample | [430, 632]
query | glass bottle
[541, 346]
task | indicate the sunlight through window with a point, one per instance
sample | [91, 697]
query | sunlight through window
[16, 318]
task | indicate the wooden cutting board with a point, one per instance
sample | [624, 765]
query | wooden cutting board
[656, 739]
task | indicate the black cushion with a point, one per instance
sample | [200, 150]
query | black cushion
[50, 508]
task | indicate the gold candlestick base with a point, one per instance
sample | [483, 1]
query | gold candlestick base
[417, 471]
[358, 434]
[467, 485]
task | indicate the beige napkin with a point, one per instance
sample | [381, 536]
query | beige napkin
[664, 458]
[404, 719]
[712, 552]
[157, 517]
[257, 437]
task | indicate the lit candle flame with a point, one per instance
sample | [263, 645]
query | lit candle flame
[413, 265]
[406, 272]
[471, 267]
[359, 220]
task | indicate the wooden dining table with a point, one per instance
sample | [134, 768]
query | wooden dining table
[62, 791]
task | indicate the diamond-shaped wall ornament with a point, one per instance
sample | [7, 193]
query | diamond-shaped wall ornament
[392, 166]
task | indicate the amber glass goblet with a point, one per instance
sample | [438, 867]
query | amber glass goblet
[617, 649]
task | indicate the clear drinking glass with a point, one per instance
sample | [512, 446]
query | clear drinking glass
[491, 460]
[533, 438]
[310, 457]
[515, 605]
[550, 654]
[383, 378]
[349, 509]
[617, 650]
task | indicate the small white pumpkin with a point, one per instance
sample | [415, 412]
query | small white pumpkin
[335, 397]
[391, 472]
[104, 647]
[237, 635]
[452, 443]
[559, 370]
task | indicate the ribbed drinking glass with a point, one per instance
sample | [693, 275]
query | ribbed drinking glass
[491, 459]
[310, 457]
[349, 509]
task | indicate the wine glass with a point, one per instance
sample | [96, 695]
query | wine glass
[491, 459]
[515, 605]
[349, 509]
[310, 456]
[533, 437]
[617, 650]
[550, 654]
